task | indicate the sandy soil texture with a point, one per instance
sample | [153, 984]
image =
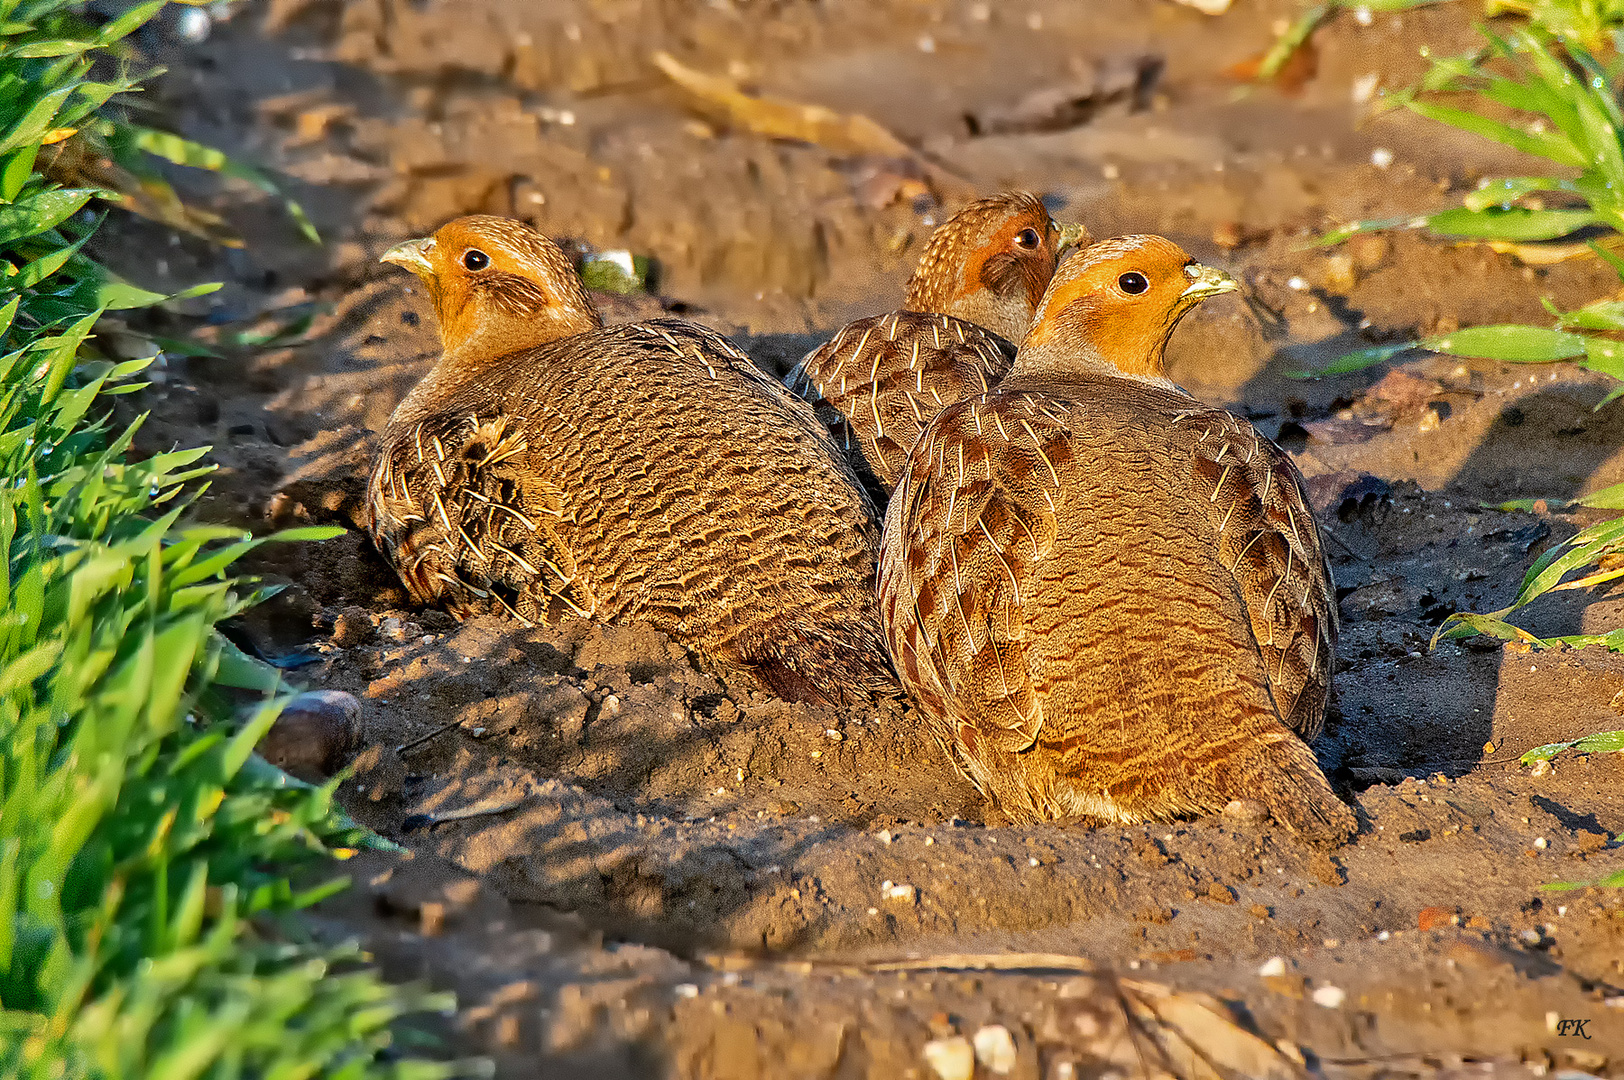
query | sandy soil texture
[625, 870]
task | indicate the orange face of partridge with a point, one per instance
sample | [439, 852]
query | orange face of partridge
[990, 263]
[1116, 303]
[498, 286]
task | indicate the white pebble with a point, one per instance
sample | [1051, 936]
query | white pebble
[1033, 861]
[1540, 842]
[905, 893]
[1298, 284]
[995, 1049]
[1330, 997]
[687, 990]
[193, 25]
[1275, 965]
[611, 705]
[1110, 171]
[1381, 157]
[953, 1058]
[884, 836]
[1364, 87]
[1363, 17]
[1383, 936]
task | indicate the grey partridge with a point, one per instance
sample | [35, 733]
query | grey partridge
[1109, 600]
[549, 466]
[879, 381]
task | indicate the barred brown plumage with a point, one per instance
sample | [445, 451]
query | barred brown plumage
[878, 382]
[646, 472]
[1109, 600]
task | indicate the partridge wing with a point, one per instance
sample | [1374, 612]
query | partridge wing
[1268, 539]
[460, 509]
[968, 528]
[887, 376]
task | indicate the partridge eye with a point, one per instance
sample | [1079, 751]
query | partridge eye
[1133, 283]
[475, 259]
[1028, 239]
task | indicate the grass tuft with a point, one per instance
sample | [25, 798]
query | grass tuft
[147, 858]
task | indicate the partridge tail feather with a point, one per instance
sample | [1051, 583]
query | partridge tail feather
[842, 664]
[1285, 776]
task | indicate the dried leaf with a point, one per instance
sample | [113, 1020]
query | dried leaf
[1199, 1037]
[843, 133]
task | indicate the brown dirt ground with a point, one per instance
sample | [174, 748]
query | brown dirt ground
[661, 878]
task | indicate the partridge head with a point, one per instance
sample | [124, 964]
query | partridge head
[990, 263]
[497, 286]
[1114, 307]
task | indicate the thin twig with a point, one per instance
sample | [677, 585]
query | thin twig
[421, 739]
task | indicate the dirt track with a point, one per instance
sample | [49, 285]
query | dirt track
[645, 826]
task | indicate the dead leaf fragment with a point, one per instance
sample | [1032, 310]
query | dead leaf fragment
[843, 133]
[1200, 1038]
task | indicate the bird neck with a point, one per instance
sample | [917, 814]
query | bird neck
[1061, 352]
[997, 306]
[475, 347]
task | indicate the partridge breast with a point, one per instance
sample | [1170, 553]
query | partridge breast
[1111, 603]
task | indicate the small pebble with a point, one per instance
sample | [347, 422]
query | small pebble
[352, 627]
[193, 25]
[995, 1049]
[315, 734]
[687, 990]
[1247, 811]
[1381, 157]
[1330, 997]
[1297, 284]
[952, 1058]
[392, 629]
[1541, 843]
[1275, 965]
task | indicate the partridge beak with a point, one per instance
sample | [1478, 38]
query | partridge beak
[1206, 281]
[1073, 233]
[413, 255]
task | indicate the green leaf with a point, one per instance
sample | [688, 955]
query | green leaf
[40, 212]
[1602, 742]
[1608, 498]
[1599, 315]
[1513, 224]
[1502, 193]
[1358, 360]
[1510, 343]
[129, 22]
[36, 121]
[1541, 144]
